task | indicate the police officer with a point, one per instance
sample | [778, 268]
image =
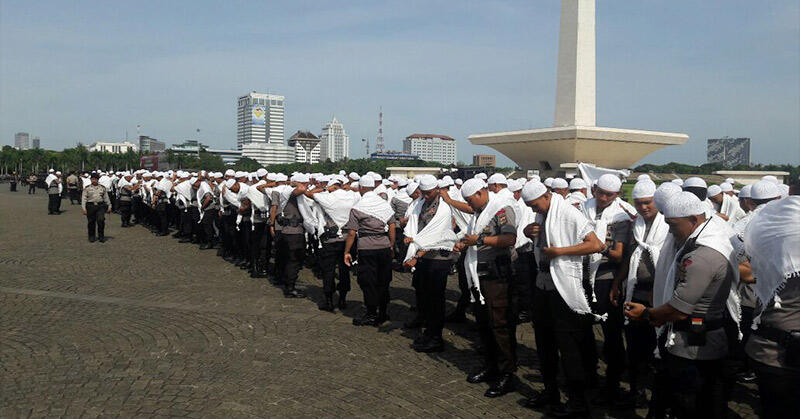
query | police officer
[209, 207]
[32, 179]
[493, 236]
[125, 189]
[72, 187]
[692, 308]
[13, 183]
[95, 204]
[290, 237]
[54, 193]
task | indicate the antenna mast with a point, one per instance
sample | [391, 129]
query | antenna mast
[379, 145]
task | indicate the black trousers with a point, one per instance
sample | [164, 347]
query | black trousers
[613, 347]
[189, 219]
[778, 388]
[53, 202]
[431, 277]
[697, 388]
[96, 219]
[463, 286]
[209, 220]
[243, 238]
[525, 271]
[13, 187]
[374, 272]
[291, 251]
[641, 342]
[31, 188]
[560, 335]
[331, 259]
[74, 196]
[125, 212]
[229, 243]
[256, 245]
[496, 325]
[138, 212]
[162, 220]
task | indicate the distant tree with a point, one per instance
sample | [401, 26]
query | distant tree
[246, 164]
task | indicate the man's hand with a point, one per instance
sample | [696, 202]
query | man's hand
[108, 210]
[410, 263]
[408, 240]
[348, 259]
[459, 247]
[470, 240]
[272, 230]
[532, 230]
[613, 295]
[552, 252]
[723, 216]
[84, 212]
[634, 311]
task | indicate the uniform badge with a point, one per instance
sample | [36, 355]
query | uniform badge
[501, 217]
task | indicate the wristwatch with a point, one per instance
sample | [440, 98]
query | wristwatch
[479, 242]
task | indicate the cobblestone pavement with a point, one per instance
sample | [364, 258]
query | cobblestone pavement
[145, 326]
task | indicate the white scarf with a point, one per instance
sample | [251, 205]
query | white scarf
[284, 193]
[566, 226]
[653, 243]
[51, 177]
[105, 181]
[613, 213]
[461, 218]
[86, 181]
[731, 209]
[402, 196]
[576, 197]
[165, 185]
[184, 190]
[374, 206]
[336, 205]
[527, 216]
[477, 223]
[716, 235]
[202, 190]
[773, 242]
[436, 235]
[310, 212]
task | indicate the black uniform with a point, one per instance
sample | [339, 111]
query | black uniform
[95, 202]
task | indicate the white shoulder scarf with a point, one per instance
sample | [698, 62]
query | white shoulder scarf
[566, 226]
[436, 235]
[461, 218]
[527, 217]
[202, 190]
[613, 213]
[716, 235]
[652, 243]
[336, 205]
[731, 209]
[374, 206]
[402, 196]
[477, 223]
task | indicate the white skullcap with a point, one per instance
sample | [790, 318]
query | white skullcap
[366, 181]
[644, 188]
[354, 176]
[730, 181]
[497, 178]
[402, 182]
[684, 204]
[694, 182]
[714, 190]
[535, 178]
[261, 172]
[211, 175]
[240, 174]
[229, 172]
[459, 181]
[609, 183]
[577, 183]
[663, 194]
[281, 177]
[447, 181]
[515, 185]
[58, 172]
[548, 182]
[411, 187]
[147, 174]
[559, 183]
[230, 182]
[471, 187]
[386, 182]
[376, 176]
[300, 177]
[678, 182]
[441, 183]
[726, 187]
[770, 178]
[745, 192]
[784, 189]
[51, 171]
[481, 176]
[272, 176]
[533, 190]
[447, 178]
[764, 189]
[428, 182]
[643, 177]
[217, 174]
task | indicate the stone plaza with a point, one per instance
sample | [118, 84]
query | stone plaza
[145, 326]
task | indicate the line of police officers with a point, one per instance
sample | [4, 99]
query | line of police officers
[691, 366]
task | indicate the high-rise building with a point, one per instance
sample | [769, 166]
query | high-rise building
[431, 147]
[22, 140]
[729, 151]
[306, 147]
[484, 160]
[36, 143]
[151, 145]
[334, 142]
[260, 119]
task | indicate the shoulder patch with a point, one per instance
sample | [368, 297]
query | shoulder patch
[501, 217]
[686, 263]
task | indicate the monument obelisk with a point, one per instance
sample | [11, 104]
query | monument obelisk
[574, 136]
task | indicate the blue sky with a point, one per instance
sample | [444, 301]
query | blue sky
[90, 70]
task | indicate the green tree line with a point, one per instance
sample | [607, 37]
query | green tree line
[710, 168]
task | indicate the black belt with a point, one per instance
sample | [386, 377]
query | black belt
[782, 337]
[686, 324]
[372, 234]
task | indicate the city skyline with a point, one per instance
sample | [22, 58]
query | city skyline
[737, 77]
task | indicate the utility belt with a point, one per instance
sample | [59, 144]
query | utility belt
[96, 204]
[384, 233]
[329, 233]
[289, 222]
[499, 269]
[787, 339]
[696, 329]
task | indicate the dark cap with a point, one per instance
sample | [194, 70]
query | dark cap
[95, 175]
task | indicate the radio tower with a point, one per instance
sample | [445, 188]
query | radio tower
[379, 145]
